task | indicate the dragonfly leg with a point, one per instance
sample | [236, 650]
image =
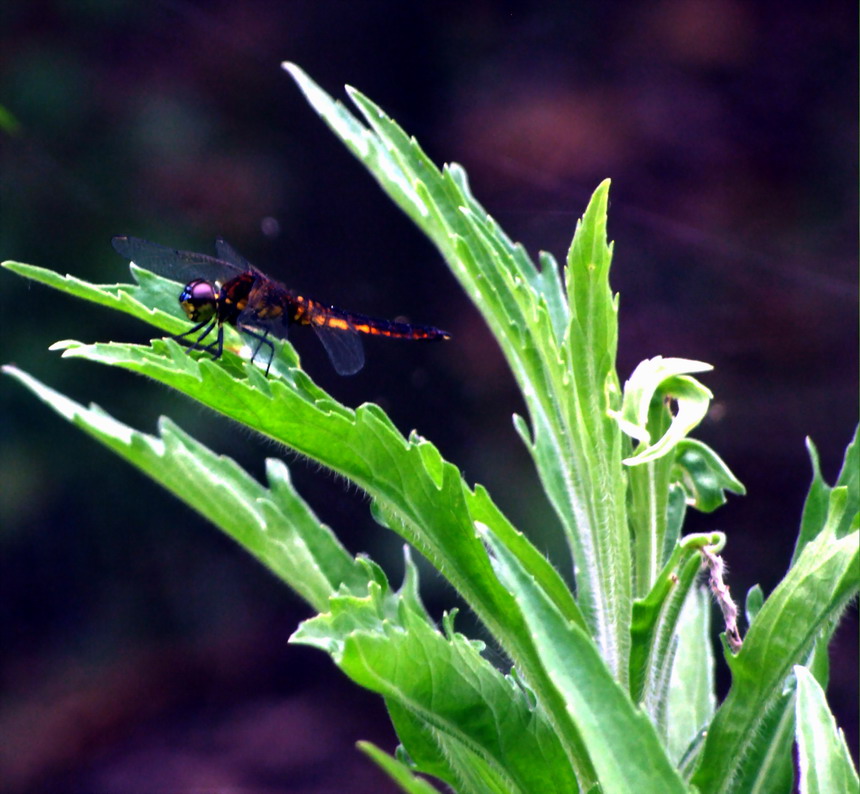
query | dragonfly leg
[215, 348]
[261, 340]
[206, 325]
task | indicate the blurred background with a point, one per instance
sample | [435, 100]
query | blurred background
[143, 651]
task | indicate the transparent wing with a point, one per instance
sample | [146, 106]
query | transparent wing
[226, 252]
[179, 265]
[344, 349]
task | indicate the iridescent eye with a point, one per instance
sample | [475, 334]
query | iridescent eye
[198, 299]
[197, 292]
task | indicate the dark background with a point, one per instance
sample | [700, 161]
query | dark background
[143, 651]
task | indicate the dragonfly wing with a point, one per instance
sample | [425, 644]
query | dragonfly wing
[225, 251]
[344, 348]
[171, 263]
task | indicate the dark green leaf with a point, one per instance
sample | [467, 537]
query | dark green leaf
[703, 475]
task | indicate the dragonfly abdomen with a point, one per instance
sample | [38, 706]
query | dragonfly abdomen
[374, 326]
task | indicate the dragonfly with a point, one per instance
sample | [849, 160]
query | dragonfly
[228, 289]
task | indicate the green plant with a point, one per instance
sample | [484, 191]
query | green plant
[610, 690]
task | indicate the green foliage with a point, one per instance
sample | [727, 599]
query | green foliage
[799, 611]
[824, 760]
[610, 689]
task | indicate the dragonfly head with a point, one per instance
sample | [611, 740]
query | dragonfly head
[199, 299]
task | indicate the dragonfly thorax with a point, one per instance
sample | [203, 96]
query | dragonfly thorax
[199, 299]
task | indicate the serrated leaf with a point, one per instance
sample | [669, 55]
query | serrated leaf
[274, 524]
[574, 443]
[153, 299]
[459, 698]
[600, 537]
[816, 506]
[418, 495]
[415, 491]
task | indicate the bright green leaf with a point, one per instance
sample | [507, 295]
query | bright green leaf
[655, 624]
[573, 442]
[643, 385]
[619, 739]
[399, 772]
[796, 614]
[691, 699]
[661, 379]
[275, 524]
[460, 699]
[754, 601]
[817, 503]
[823, 757]
[412, 488]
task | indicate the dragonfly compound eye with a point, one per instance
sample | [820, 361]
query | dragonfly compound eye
[199, 299]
